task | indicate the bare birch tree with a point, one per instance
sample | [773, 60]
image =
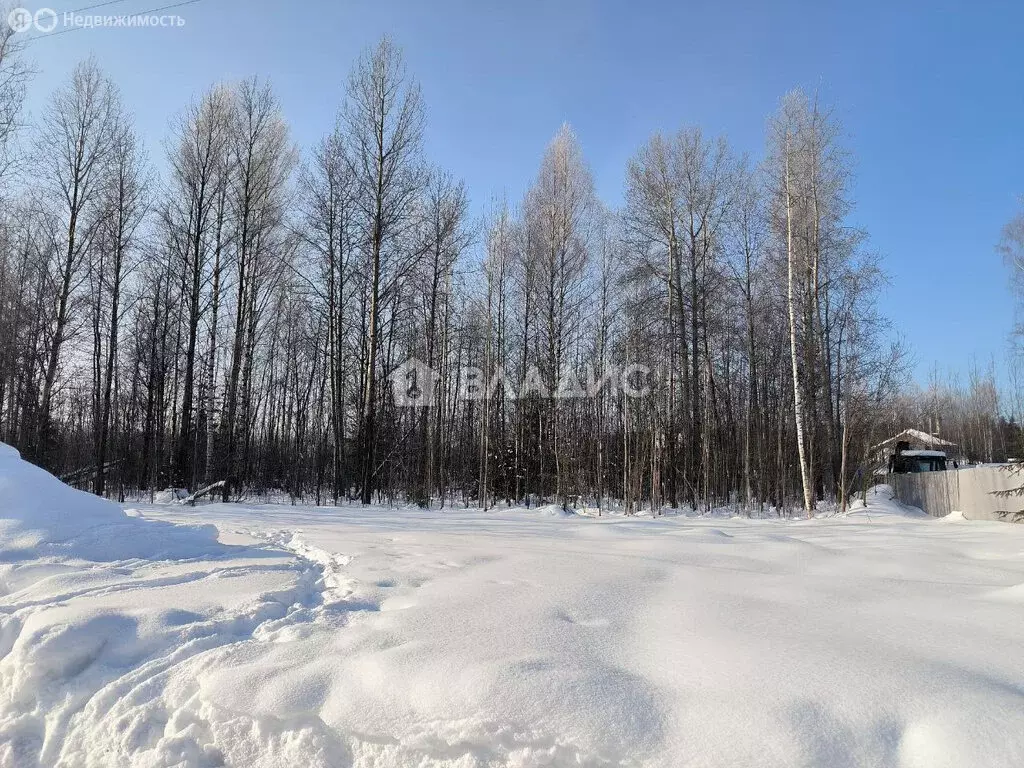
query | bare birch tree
[197, 158]
[126, 201]
[74, 148]
[384, 118]
[14, 75]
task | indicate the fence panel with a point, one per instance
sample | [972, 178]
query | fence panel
[970, 490]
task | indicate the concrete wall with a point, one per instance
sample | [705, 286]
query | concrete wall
[969, 490]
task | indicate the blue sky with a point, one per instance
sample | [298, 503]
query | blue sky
[930, 95]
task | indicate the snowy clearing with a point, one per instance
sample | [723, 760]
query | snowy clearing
[294, 636]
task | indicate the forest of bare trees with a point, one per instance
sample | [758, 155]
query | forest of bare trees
[236, 318]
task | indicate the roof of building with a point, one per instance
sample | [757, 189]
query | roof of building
[914, 436]
[924, 454]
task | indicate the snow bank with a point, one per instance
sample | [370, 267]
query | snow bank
[882, 501]
[36, 508]
[554, 510]
[170, 495]
[42, 517]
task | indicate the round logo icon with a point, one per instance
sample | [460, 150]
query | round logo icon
[20, 19]
[46, 20]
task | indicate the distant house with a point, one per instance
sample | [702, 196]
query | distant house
[916, 440]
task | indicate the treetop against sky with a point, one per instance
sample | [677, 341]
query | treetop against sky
[923, 92]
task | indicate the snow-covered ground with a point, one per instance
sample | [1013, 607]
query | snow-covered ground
[294, 636]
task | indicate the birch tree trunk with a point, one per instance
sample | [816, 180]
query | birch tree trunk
[798, 402]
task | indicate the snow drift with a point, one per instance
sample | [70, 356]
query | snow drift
[41, 517]
[381, 638]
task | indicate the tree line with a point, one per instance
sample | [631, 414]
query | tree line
[238, 318]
